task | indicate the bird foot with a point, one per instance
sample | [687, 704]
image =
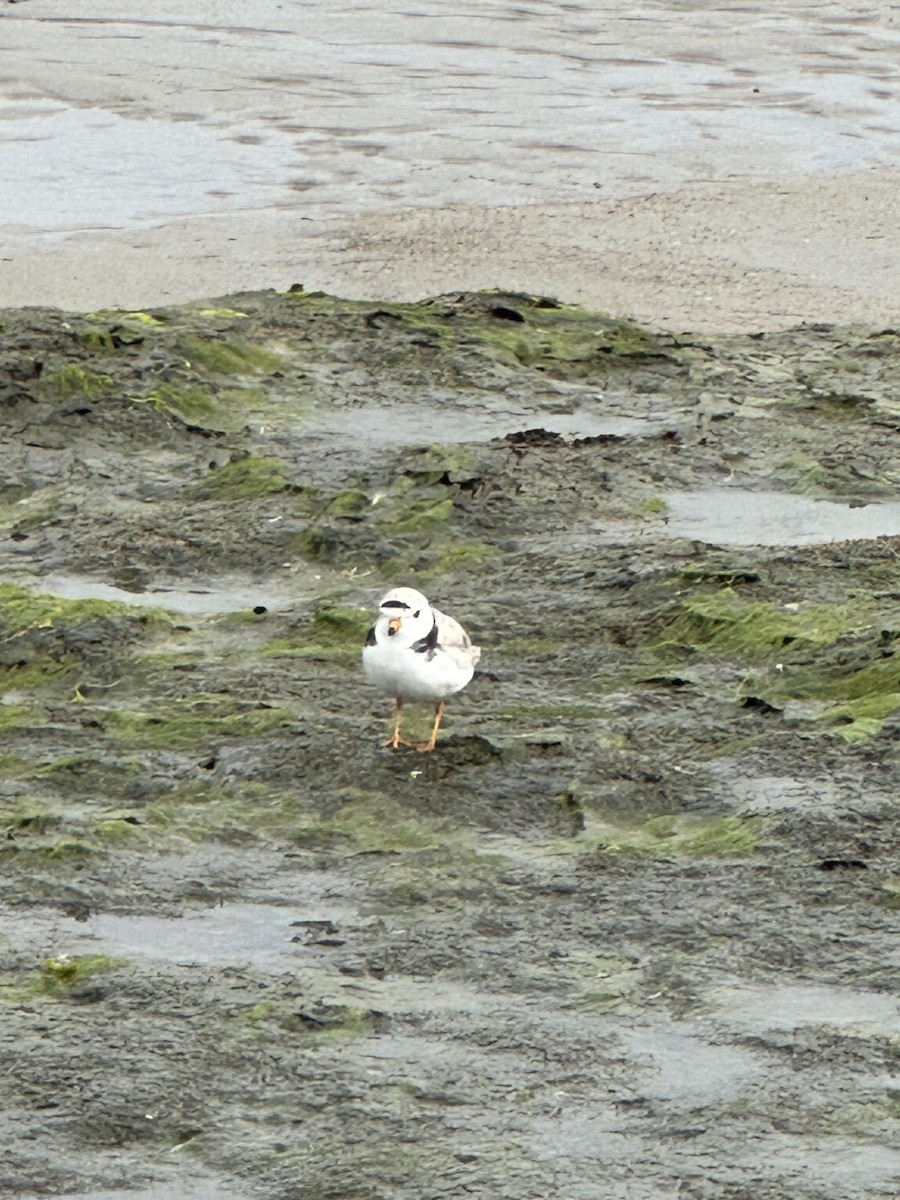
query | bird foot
[395, 742]
[425, 746]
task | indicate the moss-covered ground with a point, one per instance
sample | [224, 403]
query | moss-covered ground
[243, 941]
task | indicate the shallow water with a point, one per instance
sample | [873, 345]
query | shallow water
[260, 934]
[366, 108]
[417, 425]
[78, 168]
[196, 1190]
[829, 1163]
[679, 1061]
[773, 793]
[761, 1009]
[733, 517]
[221, 596]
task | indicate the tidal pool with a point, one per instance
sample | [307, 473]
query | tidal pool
[734, 517]
[86, 168]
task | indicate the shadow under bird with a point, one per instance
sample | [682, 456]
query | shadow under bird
[417, 655]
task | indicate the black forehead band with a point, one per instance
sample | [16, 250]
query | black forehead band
[394, 604]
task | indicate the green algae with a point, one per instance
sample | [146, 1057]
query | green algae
[100, 341]
[37, 671]
[314, 1024]
[350, 503]
[728, 747]
[723, 838]
[358, 819]
[29, 512]
[201, 809]
[195, 405]
[375, 822]
[859, 699]
[442, 463]
[243, 479]
[879, 678]
[372, 829]
[11, 495]
[41, 832]
[413, 501]
[132, 316]
[516, 328]
[18, 716]
[13, 765]
[716, 572]
[89, 772]
[74, 380]
[110, 331]
[683, 837]
[201, 404]
[408, 520]
[27, 812]
[319, 303]
[363, 820]
[536, 331]
[62, 850]
[195, 721]
[653, 506]
[252, 399]
[425, 516]
[335, 634]
[600, 1002]
[862, 1118]
[601, 983]
[58, 978]
[528, 647]
[119, 830]
[40, 647]
[858, 719]
[153, 665]
[224, 314]
[727, 626]
[60, 975]
[801, 473]
[220, 357]
[889, 896]
[22, 609]
[447, 873]
[448, 557]
[554, 712]
[413, 890]
[339, 622]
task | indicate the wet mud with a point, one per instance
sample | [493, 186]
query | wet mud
[630, 931]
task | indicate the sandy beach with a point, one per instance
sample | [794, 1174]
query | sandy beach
[692, 166]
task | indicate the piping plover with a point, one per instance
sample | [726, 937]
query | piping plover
[417, 654]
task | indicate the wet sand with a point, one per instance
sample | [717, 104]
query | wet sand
[693, 166]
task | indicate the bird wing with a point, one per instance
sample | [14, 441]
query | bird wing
[454, 640]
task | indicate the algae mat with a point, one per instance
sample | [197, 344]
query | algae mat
[629, 932]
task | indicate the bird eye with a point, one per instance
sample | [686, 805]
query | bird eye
[415, 615]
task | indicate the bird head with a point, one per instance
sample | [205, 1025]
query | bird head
[406, 613]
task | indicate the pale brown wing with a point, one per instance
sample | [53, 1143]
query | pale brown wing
[455, 641]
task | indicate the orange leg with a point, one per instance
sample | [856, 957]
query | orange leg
[438, 713]
[395, 740]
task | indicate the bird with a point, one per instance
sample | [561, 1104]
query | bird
[415, 653]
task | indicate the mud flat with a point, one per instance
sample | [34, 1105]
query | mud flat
[629, 932]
